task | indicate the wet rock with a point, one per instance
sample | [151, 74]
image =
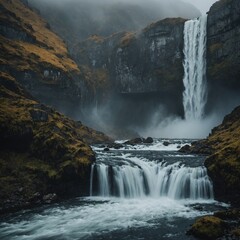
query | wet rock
[115, 145]
[208, 227]
[148, 140]
[165, 143]
[134, 141]
[185, 149]
[50, 198]
[106, 150]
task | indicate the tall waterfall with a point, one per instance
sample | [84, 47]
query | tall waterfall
[195, 94]
[140, 178]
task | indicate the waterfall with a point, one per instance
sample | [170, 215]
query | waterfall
[141, 178]
[195, 93]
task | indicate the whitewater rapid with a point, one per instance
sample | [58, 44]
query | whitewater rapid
[136, 193]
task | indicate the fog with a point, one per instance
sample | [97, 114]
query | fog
[76, 20]
[202, 5]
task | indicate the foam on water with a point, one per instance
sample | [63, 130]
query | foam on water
[99, 215]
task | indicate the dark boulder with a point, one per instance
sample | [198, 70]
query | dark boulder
[148, 140]
[165, 143]
[185, 149]
[134, 141]
[115, 145]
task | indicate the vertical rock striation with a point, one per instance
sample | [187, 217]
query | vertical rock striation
[223, 52]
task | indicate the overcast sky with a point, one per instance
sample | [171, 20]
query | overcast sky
[202, 5]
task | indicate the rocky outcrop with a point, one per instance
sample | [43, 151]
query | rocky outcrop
[208, 228]
[39, 59]
[223, 162]
[222, 225]
[223, 50]
[44, 156]
[145, 62]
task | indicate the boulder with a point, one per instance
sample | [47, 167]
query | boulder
[134, 141]
[165, 143]
[185, 149]
[148, 140]
[207, 228]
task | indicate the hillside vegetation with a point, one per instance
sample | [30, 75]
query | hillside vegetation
[41, 151]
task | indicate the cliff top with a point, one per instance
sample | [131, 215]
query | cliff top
[219, 4]
[166, 21]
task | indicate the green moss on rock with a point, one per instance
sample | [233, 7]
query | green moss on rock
[208, 227]
[223, 162]
[41, 150]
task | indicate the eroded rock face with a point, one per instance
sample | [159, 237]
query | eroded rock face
[223, 49]
[145, 64]
[223, 162]
[39, 59]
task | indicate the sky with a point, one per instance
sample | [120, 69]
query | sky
[202, 5]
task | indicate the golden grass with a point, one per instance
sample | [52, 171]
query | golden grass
[48, 48]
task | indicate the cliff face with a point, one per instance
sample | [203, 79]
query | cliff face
[223, 48]
[145, 62]
[37, 57]
[41, 151]
[223, 163]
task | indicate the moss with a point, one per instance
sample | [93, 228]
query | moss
[215, 47]
[223, 164]
[127, 39]
[41, 49]
[96, 38]
[208, 227]
[50, 154]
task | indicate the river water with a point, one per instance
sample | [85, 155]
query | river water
[147, 191]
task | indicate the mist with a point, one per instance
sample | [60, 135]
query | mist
[203, 5]
[76, 20]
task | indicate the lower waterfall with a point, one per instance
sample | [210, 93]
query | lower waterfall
[139, 178]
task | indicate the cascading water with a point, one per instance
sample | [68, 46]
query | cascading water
[138, 178]
[195, 94]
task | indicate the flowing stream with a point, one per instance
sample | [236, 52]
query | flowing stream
[146, 191]
[195, 94]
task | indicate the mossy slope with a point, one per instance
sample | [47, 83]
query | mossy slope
[223, 164]
[41, 151]
[28, 41]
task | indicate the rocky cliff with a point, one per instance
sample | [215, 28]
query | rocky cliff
[38, 58]
[223, 50]
[223, 163]
[41, 151]
[138, 65]
[43, 154]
